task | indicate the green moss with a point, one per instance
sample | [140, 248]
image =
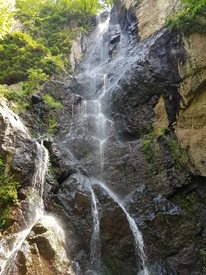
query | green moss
[203, 253]
[147, 147]
[179, 155]
[191, 17]
[188, 202]
[147, 150]
[52, 167]
[8, 195]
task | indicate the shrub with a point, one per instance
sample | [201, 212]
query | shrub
[191, 17]
[52, 102]
[15, 96]
[52, 125]
[36, 78]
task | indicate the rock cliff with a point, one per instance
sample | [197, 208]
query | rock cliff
[145, 87]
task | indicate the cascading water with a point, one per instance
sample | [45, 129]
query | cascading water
[93, 127]
[95, 242]
[139, 243]
[11, 243]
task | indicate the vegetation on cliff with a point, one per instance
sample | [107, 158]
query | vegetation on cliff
[8, 194]
[191, 17]
[7, 17]
[40, 45]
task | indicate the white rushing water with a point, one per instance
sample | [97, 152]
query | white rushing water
[41, 167]
[95, 72]
[93, 114]
[139, 243]
[95, 242]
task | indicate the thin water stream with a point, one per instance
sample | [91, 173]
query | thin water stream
[11, 243]
[139, 243]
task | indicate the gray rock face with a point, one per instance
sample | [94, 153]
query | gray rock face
[135, 87]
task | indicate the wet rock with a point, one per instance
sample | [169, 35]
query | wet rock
[155, 192]
[87, 86]
[130, 101]
[35, 99]
[42, 251]
[63, 164]
[74, 203]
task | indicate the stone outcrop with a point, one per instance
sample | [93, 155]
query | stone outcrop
[37, 245]
[42, 252]
[78, 47]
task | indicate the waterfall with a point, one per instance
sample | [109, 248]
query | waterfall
[94, 129]
[41, 166]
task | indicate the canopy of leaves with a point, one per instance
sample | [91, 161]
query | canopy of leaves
[191, 17]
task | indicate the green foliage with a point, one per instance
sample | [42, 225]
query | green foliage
[6, 19]
[42, 49]
[8, 195]
[15, 96]
[36, 77]
[8, 93]
[52, 102]
[18, 54]
[55, 23]
[191, 17]
[52, 125]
